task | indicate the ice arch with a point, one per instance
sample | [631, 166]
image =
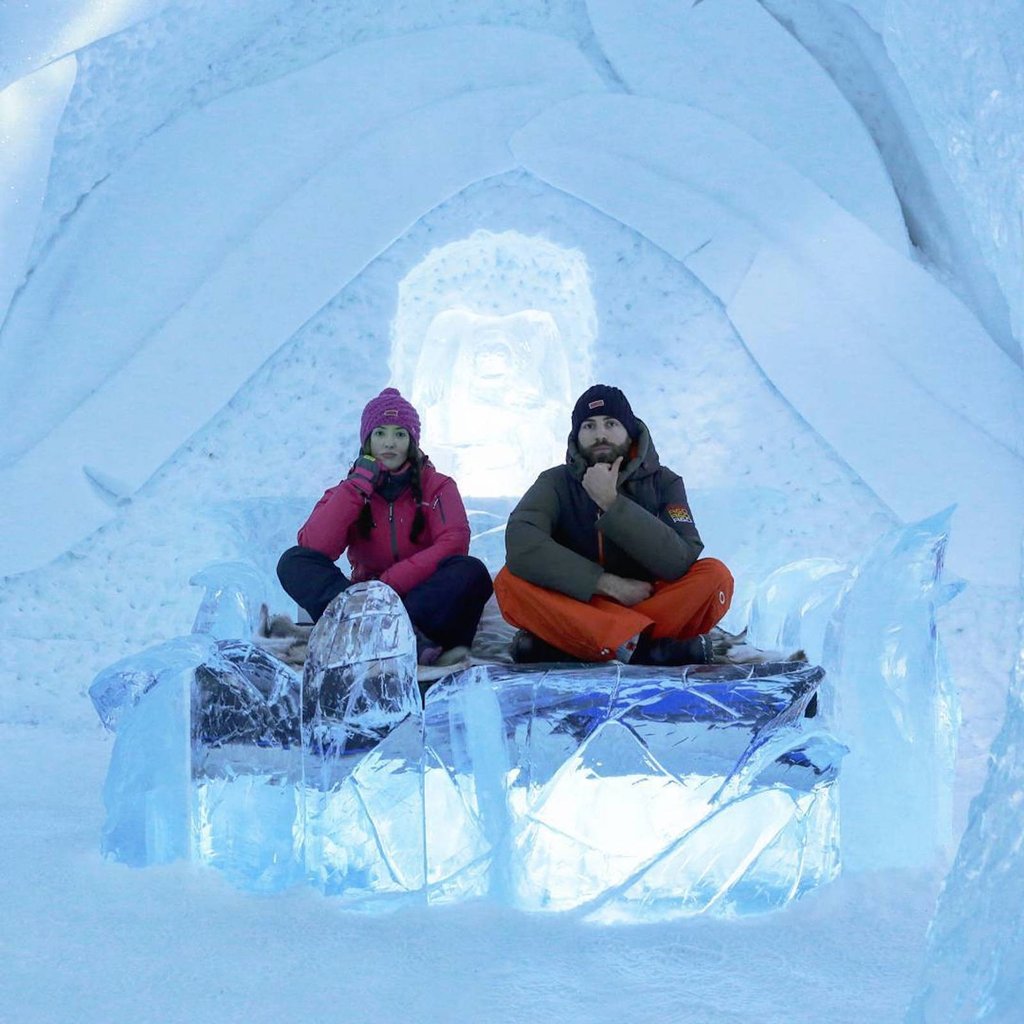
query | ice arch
[492, 339]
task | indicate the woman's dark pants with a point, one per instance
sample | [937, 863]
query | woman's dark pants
[446, 607]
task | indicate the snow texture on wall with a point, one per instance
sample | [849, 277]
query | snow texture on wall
[854, 55]
[208, 267]
[963, 64]
[731, 59]
[844, 326]
[205, 318]
[30, 111]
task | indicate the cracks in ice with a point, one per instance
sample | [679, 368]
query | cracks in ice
[707, 698]
[47, 247]
[375, 833]
[440, 886]
[592, 49]
[616, 891]
[696, 249]
[110, 490]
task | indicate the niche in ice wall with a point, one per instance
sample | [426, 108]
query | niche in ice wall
[492, 339]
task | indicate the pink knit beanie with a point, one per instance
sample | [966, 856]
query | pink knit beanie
[389, 408]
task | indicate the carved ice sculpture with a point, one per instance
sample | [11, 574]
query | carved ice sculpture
[494, 391]
[119, 686]
[230, 608]
[206, 765]
[619, 793]
[148, 786]
[492, 341]
[890, 694]
[626, 794]
[792, 607]
[615, 792]
[895, 703]
[246, 767]
[362, 748]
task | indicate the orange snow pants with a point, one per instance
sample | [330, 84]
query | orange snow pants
[593, 630]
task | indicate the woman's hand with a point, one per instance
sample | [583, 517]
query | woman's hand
[364, 474]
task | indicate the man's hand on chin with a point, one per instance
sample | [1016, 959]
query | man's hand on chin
[626, 591]
[601, 482]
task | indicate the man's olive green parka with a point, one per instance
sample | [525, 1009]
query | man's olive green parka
[558, 537]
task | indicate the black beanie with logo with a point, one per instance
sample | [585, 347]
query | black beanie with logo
[604, 400]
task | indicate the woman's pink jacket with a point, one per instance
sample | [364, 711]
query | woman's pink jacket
[388, 554]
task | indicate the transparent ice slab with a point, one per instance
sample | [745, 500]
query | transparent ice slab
[792, 607]
[362, 742]
[975, 965]
[890, 692]
[148, 785]
[206, 766]
[895, 702]
[629, 794]
[120, 686]
[232, 595]
[245, 767]
[622, 794]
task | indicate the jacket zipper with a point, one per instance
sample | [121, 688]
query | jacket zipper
[600, 548]
[394, 536]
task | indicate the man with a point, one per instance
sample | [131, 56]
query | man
[602, 552]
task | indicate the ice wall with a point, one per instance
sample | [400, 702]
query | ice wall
[975, 969]
[846, 39]
[963, 64]
[842, 325]
[30, 111]
[270, 249]
[38, 35]
[241, 260]
[731, 59]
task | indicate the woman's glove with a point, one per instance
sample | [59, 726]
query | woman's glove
[364, 474]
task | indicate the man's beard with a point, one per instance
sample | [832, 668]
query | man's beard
[609, 456]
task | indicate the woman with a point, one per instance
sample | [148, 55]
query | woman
[402, 523]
